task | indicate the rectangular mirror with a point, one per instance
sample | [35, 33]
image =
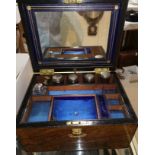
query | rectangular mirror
[73, 35]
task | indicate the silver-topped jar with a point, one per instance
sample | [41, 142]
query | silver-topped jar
[98, 56]
[89, 77]
[105, 74]
[57, 78]
[73, 78]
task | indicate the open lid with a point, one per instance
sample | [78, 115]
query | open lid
[61, 35]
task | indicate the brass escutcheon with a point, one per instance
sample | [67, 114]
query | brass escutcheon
[77, 133]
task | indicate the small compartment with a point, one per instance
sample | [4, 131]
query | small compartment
[77, 51]
[117, 114]
[117, 111]
[38, 109]
[79, 92]
[109, 89]
[81, 89]
[75, 108]
[116, 107]
[113, 99]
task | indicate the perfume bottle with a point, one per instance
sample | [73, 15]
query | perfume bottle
[39, 89]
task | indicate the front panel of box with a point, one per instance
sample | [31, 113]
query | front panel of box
[76, 138]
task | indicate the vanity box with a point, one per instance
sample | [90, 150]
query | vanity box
[75, 100]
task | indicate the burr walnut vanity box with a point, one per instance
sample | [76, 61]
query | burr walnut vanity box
[75, 100]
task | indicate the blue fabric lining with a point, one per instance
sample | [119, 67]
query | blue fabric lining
[74, 52]
[74, 108]
[113, 101]
[79, 92]
[117, 114]
[77, 51]
[39, 111]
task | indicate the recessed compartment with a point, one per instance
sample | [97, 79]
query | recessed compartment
[38, 109]
[75, 107]
[113, 99]
[117, 114]
[77, 51]
[116, 107]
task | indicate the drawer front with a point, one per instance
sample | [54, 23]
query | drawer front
[75, 138]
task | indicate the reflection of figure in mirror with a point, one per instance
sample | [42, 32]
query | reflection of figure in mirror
[92, 18]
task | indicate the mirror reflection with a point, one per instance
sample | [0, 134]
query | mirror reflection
[73, 35]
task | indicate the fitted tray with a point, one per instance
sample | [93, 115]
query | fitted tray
[99, 114]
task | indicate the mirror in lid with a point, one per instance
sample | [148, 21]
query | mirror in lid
[72, 36]
[81, 35]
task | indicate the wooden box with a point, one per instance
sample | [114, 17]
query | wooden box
[75, 100]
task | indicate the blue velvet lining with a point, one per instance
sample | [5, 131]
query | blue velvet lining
[113, 101]
[77, 51]
[39, 111]
[117, 114]
[74, 52]
[74, 108]
[79, 92]
[99, 93]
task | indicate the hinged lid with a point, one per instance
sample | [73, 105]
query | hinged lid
[73, 34]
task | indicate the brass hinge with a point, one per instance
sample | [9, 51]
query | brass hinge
[99, 70]
[45, 72]
[73, 1]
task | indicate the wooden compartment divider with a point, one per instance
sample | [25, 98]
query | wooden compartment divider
[83, 87]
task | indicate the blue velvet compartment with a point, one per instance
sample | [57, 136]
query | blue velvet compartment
[99, 94]
[39, 111]
[117, 114]
[74, 108]
[74, 52]
[113, 101]
[79, 92]
[77, 51]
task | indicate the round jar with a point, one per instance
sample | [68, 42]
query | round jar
[72, 78]
[89, 77]
[57, 78]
